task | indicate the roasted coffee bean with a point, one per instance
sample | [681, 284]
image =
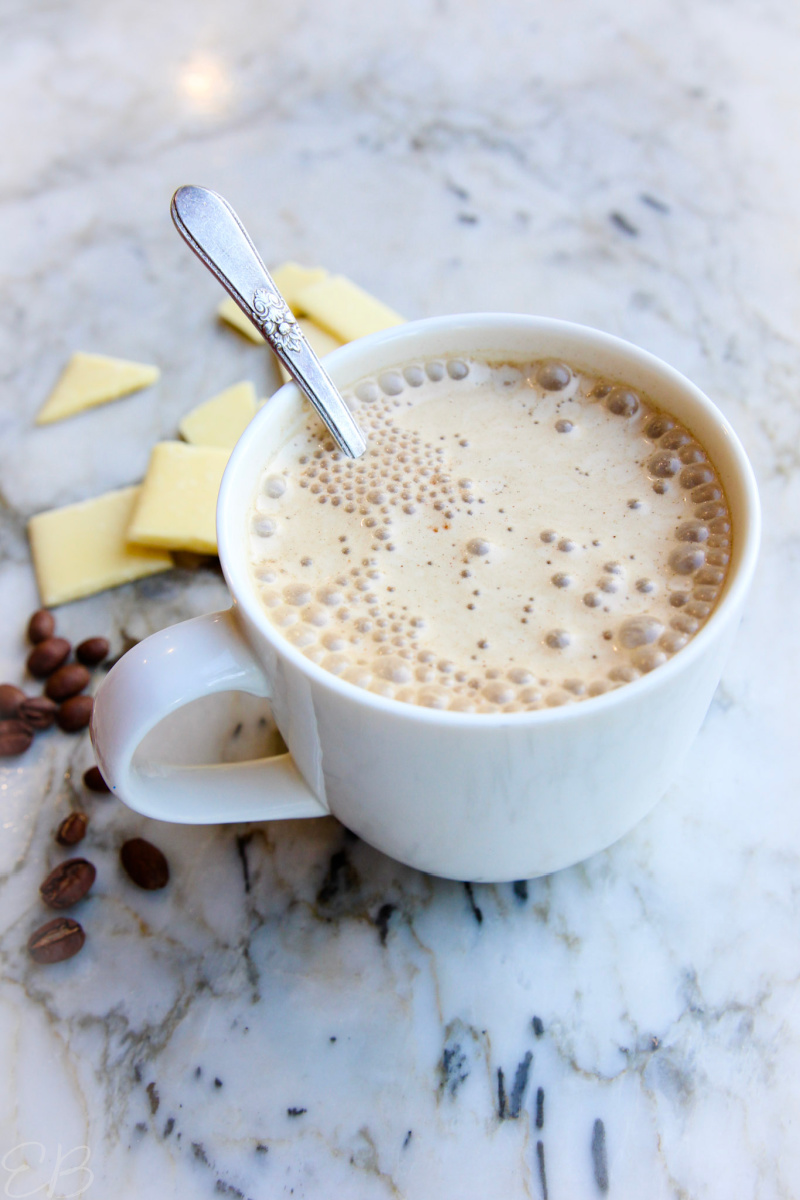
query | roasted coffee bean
[68, 883]
[47, 655]
[15, 737]
[72, 829]
[93, 651]
[38, 712]
[10, 699]
[75, 714]
[67, 681]
[56, 941]
[145, 864]
[41, 625]
[93, 780]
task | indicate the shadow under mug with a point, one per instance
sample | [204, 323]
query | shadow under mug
[482, 797]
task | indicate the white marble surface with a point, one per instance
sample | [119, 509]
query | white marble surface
[634, 172]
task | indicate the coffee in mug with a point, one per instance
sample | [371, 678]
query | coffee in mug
[517, 536]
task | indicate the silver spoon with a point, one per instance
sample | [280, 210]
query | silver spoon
[208, 224]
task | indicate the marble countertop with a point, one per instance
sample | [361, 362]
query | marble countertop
[297, 1014]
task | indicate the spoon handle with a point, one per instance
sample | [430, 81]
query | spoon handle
[213, 231]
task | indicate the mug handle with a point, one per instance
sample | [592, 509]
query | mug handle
[158, 676]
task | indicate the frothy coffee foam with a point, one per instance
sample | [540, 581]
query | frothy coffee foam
[514, 537]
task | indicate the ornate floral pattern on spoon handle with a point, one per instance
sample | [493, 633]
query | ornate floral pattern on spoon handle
[211, 228]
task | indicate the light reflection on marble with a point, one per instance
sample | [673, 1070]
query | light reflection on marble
[296, 1014]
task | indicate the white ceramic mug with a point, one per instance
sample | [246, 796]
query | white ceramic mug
[484, 797]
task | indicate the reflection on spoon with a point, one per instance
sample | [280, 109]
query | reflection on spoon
[212, 229]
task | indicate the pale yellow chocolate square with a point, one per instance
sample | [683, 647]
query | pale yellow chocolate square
[320, 340]
[83, 548]
[221, 420]
[178, 502]
[344, 309]
[230, 312]
[291, 280]
[91, 379]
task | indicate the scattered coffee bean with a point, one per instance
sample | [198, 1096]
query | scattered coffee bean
[10, 699]
[41, 625]
[47, 655]
[15, 737]
[67, 681]
[93, 651]
[38, 712]
[72, 829]
[68, 883]
[93, 780]
[75, 714]
[145, 864]
[56, 941]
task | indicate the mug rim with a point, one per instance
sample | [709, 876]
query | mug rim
[243, 593]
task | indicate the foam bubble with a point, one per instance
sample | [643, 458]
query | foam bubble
[553, 376]
[674, 439]
[263, 526]
[685, 561]
[478, 547]
[301, 637]
[623, 674]
[692, 531]
[663, 465]
[368, 391]
[647, 658]
[274, 486]
[498, 692]
[638, 631]
[622, 402]
[414, 376]
[457, 369]
[391, 382]
[657, 426]
[558, 639]
[297, 593]
[672, 641]
[315, 614]
[395, 669]
[696, 475]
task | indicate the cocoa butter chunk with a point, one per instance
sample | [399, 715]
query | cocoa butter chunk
[75, 714]
[56, 941]
[91, 379]
[145, 864]
[41, 625]
[92, 651]
[68, 883]
[93, 780]
[83, 548]
[47, 656]
[15, 737]
[72, 829]
[67, 681]
[38, 712]
[10, 699]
